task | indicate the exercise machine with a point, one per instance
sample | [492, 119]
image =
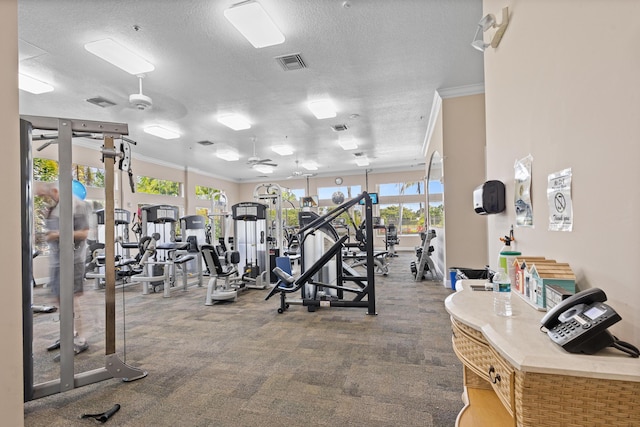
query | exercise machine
[423, 253]
[250, 238]
[324, 281]
[65, 130]
[355, 252]
[224, 282]
[124, 264]
[391, 240]
[271, 196]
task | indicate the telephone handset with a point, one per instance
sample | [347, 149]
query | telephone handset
[579, 324]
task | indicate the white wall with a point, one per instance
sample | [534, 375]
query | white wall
[11, 391]
[563, 87]
[459, 137]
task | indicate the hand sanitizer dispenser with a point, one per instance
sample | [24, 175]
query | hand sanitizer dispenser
[489, 198]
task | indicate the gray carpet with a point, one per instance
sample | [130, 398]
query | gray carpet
[243, 364]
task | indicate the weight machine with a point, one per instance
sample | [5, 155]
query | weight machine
[67, 129]
[250, 237]
[163, 255]
[325, 280]
[125, 265]
[271, 195]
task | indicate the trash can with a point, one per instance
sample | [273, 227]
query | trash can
[460, 273]
[452, 277]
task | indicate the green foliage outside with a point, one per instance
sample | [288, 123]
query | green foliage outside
[408, 221]
[206, 193]
[89, 176]
[436, 216]
[44, 170]
[149, 185]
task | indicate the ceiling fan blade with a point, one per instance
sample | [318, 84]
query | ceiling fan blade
[264, 161]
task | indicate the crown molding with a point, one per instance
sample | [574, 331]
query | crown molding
[454, 92]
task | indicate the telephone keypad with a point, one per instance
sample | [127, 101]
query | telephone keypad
[579, 324]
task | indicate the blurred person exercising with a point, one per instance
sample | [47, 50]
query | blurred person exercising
[80, 233]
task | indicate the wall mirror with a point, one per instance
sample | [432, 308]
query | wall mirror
[435, 202]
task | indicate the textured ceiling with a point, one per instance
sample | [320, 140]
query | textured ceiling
[380, 61]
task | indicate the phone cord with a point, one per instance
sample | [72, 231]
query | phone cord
[626, 347]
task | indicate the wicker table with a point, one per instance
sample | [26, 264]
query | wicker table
[515, 376]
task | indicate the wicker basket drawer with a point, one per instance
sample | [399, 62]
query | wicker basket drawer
[501, 376]
[468, 330]
[473, 353]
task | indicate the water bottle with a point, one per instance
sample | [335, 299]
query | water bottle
[502, 293]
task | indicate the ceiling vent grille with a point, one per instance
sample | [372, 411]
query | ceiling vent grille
[291, 62]
[205, 142]
[339, 128]
[101, 102]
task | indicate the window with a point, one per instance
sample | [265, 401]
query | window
[88, 175]
[290, 203]
[407, 212]
[436, 207]
[45, 170]
[149, 185]
[408, 217]
[401, 189]
[205, 193]
[326, 193]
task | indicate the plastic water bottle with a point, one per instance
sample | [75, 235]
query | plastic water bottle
[502, 293]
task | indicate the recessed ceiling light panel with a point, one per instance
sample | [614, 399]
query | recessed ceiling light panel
[162, 132]
[362, 161]
[264, 168]
[119, 56]
[348, 143]
[254, 24]
[310, 166]
[234, 121]
[322, 109]
[228, 155]
[32, 85]
[283, 150]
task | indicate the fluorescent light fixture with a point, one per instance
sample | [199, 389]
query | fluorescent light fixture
[310, 166]
[283, 150]
[228, 155]
[254, 24]
[348, 143]
[234, 121]
[162, 132]
[362, 161]
[263, 168]
[323, 109]
[119, 56]
[32, 85]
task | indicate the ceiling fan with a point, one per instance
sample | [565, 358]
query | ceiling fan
[256, 161]
[140, 100]
[298, 173]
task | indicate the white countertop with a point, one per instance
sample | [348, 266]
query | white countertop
[519, 340]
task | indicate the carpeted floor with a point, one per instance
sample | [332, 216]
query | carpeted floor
[243, 364]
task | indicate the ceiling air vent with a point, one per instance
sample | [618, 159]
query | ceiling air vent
[339, 128]
[101, 102]
[291, 62]
[205, 142]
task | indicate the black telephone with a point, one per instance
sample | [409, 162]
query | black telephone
[579, 324]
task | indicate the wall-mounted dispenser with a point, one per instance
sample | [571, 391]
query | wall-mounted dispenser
[489, 198]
